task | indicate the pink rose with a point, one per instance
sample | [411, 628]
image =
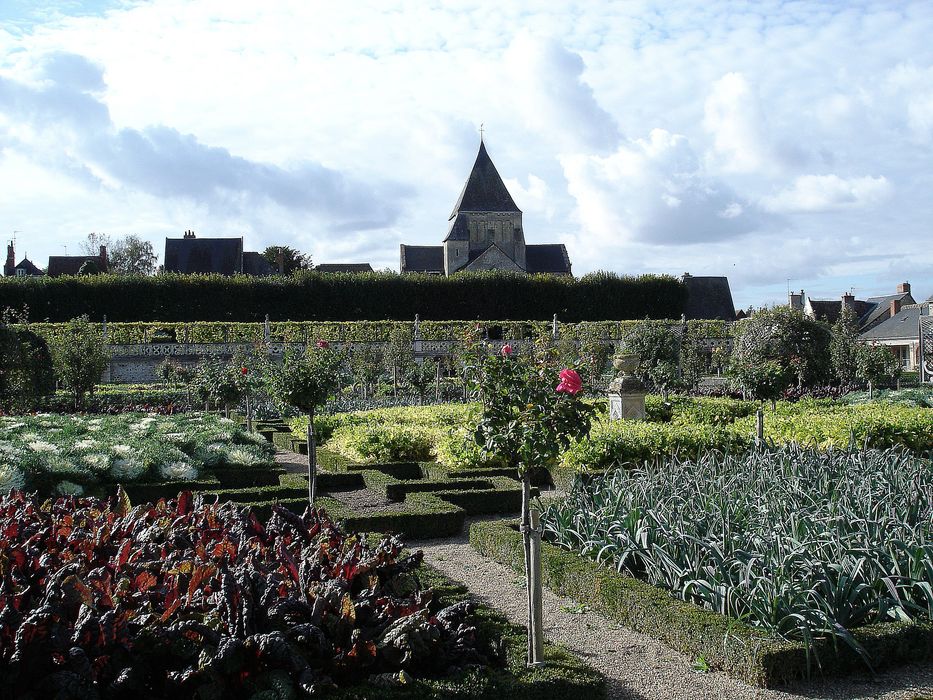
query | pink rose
[570, 382]
[506, 350]
[323, 344]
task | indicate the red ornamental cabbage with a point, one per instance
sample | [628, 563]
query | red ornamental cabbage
[185, 599]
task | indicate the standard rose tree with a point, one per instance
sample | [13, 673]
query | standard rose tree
[528, 420]
[305, 380]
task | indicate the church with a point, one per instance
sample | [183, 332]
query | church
[485, 232]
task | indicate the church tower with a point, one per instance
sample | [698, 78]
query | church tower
[485, 228]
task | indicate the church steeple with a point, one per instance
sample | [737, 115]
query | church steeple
[484, 190]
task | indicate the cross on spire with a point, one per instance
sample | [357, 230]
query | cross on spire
[481, 130]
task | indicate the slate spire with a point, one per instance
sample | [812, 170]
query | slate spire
[484, 189]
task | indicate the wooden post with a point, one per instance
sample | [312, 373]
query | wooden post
[249, 414]
[535, 588]
[759, 428]
[312, 460]
[437, 383]
[526, 542]
[265, 330]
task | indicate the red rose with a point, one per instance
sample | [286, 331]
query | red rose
[243, 371]
[323, 344]
[506, 350]
[570, 382]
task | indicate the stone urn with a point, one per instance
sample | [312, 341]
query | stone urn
[626, 391]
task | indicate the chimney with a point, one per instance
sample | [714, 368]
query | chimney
[903, 288]
[795, 301]
[189, 235]
[103, 258]
[9, 269]
[895, 307]
[280, 261]
[848, 299]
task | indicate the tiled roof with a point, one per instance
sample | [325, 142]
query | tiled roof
[256, 264]
[880, 308]
[709, 298]
[904, 324]
[550, 258]
[30, 268]
[422, 258]
[344, 267]
[484, 189]
[70, 264]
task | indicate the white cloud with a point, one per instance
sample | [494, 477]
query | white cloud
[552, 97]
[823, 193]
[733, 117]
[654, 190]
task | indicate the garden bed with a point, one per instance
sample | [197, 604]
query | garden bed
[53, 453]
[725, 644]
[188, 600]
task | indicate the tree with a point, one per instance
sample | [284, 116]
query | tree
[26, 374]
[291, 259]
[305, 380]
[91, 245]
[80, 357]
[796, 342]
[764, 381]
[366, 365]
[131, 255]
[528, 421]
[421, 375]
[399, 355]
[89, 267]
[655, 344]
[843, 348]
[875, 364]
[221, 383]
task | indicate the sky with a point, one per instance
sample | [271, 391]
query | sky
[782, 144]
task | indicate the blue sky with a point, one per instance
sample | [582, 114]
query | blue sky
[765, 141]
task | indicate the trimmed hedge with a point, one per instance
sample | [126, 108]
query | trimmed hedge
[726, 644]
[346, 297]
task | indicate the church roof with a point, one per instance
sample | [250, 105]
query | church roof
[459, 229]
[550, 258]
[484, 189]
[422, 258]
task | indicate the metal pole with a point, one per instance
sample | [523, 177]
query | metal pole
[759, 428]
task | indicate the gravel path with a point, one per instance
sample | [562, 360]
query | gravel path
[636, 666]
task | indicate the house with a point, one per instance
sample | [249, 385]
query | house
[870, 312]
[25, 268]
[901, 331]
[708, 298]
[60, 265]
[344, 267]
[223, 256]
[485, 232]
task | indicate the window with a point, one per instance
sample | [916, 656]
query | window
[518, 234]
[20, 272]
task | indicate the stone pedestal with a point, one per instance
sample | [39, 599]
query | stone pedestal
[627, 406]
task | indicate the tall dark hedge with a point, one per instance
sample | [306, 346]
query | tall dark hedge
[312, 296]
[26, 375]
